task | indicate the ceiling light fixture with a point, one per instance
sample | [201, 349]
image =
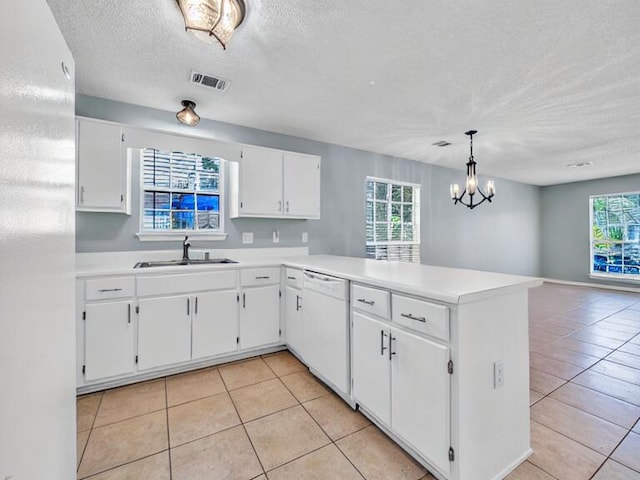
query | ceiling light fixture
[472, 186]
[188, 115]
[218, 18]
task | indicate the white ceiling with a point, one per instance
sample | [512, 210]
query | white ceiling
[546, 83]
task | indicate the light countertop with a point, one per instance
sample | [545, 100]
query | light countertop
[448, 285]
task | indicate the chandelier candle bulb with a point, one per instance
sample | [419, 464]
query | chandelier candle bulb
[491, 188]
[454, 188]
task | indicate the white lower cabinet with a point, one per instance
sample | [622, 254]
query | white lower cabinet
[259, 316]
[420, 395]
[214, 324]
[164, 331]
[402, 379]
[371, 368]
[293, 320]
[108, 339]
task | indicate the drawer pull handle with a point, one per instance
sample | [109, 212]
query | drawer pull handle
[263, 277]
[129, 313]
[103, 290]
[411, 317]
[382, 347]
[291, 278]
[367, 302]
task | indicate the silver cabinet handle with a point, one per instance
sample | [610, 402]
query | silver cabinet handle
[196, 309]
[109, 290]
[391, 352]
[291, 278]
[367, 302]
[129, 313]
[287, 205]
[244, 300]
[411, 317]
[382, 347]
[279, 205]
[81, 194]
[188, 305]
[263, 277]
[298, 304]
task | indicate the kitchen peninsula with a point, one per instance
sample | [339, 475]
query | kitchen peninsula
[436, 357]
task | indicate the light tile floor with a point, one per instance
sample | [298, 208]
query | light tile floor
[268, 418]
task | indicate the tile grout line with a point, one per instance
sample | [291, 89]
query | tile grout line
[244, 428]
[86, 444]
[166, 404]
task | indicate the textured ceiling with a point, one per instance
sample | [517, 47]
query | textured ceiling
[546, 83]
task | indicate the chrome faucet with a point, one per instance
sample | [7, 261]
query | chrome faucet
[185, 248]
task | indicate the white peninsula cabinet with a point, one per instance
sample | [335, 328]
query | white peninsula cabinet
[275, 184]
[103, 168]
[400, 376]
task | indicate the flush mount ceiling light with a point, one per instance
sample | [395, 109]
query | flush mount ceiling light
[218, 18]
[188, 115]
[472, 188]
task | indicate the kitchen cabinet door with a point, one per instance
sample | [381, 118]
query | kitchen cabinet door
[371, 366]
[301, 185]
[109, 340]
[420, 392]
[294, 328]
[259, 316]
[102, 168]
[260, 182]
[164, 331]
[215, 323]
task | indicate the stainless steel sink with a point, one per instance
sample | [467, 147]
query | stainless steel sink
[173, 263]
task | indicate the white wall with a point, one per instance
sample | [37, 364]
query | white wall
[37, 334]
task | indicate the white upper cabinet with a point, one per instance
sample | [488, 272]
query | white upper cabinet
[301, 174]
[275, 184]
[103, 168]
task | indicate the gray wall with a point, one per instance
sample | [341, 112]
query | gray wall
[565, 226]
[503, 236]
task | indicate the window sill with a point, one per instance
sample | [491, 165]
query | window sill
[634, 279]
[179, 236]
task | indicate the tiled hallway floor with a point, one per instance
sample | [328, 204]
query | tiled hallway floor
[268, 418]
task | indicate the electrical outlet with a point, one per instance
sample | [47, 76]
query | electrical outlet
[305, 237]
[247, 237]
[498, 374]
[276, 236]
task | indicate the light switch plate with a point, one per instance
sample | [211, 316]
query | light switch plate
[305, 237]
[276, 236]
[247, 237]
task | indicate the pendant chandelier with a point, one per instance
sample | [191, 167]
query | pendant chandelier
[471, 187]
[217, 18]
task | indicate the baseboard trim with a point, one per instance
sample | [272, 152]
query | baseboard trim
[592, 285]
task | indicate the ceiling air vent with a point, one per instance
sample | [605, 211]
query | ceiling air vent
[441, 143]
[208, 81]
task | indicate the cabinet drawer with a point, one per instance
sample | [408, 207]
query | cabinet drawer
[259, 276]
[105, 288]
[421, 316]
[371, 300]
[192, 282]
[294, 278]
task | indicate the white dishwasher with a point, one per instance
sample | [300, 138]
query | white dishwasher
[326, 328]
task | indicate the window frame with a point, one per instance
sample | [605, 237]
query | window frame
[171, 235]
[415, 214]
[597, 274]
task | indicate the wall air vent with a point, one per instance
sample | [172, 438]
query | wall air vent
[208, 81]
[441, 143]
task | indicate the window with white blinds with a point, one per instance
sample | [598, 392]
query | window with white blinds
[392, 220]
[180, 192]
